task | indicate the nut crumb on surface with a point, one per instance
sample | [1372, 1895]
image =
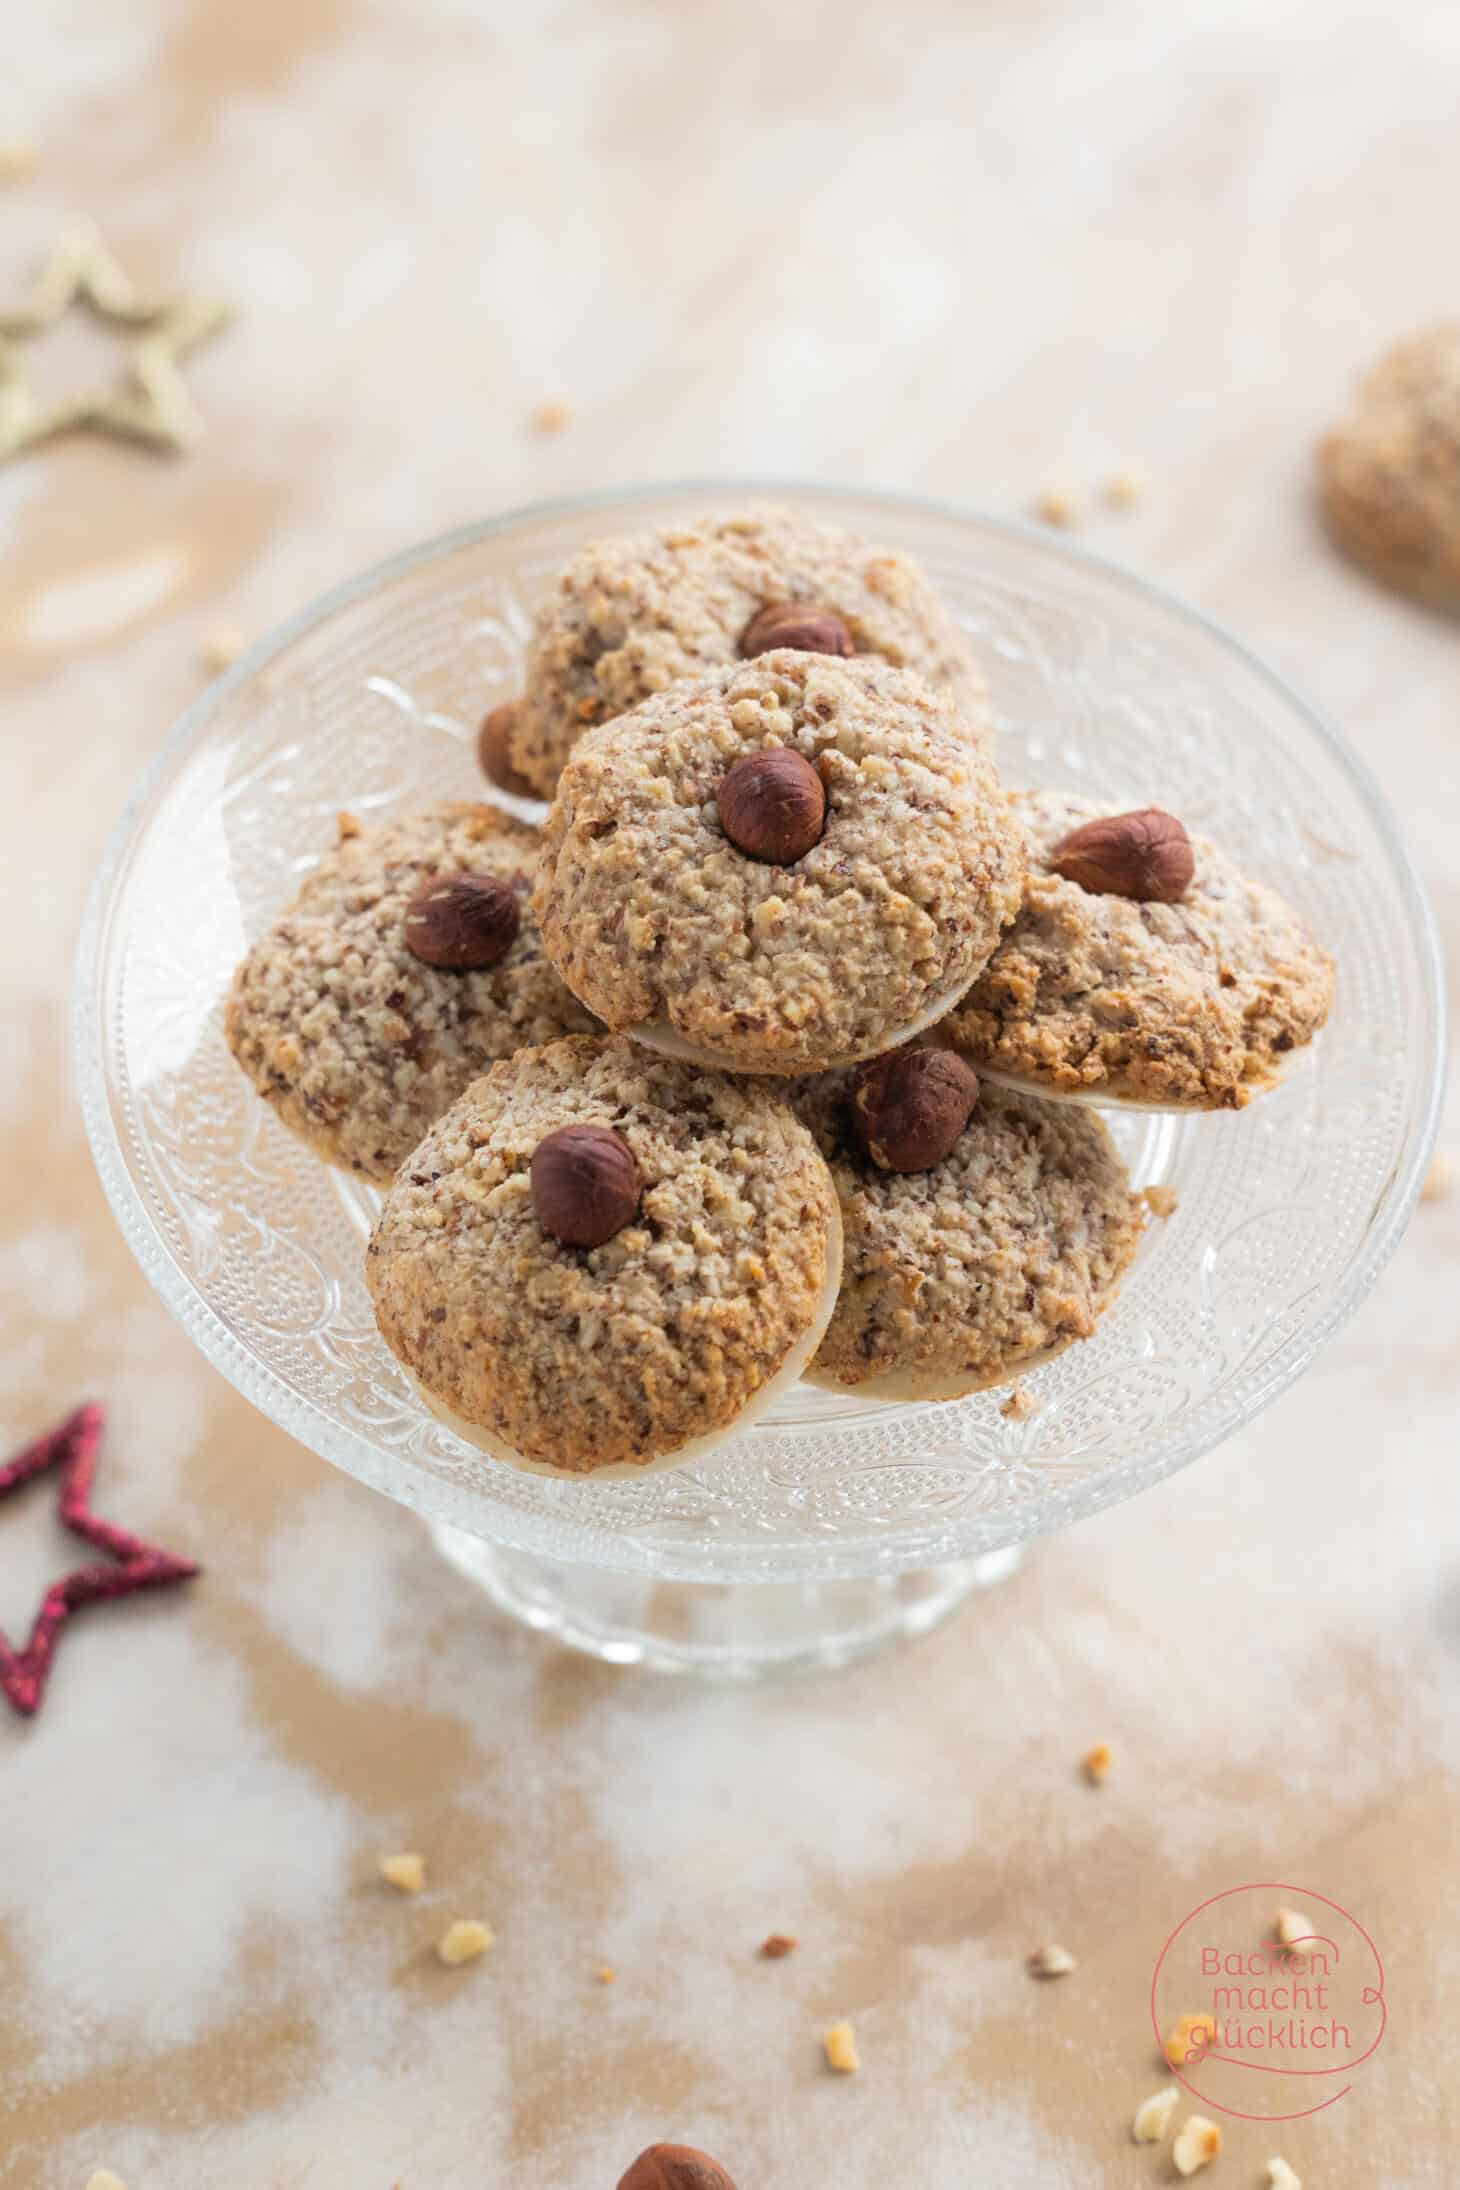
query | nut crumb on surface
[1050, 1962]
[1153, 2115]
[1441, 1178]
[1096, 1763]
[1162, 1201]
[1280, 2176]
[220, 646]
[605, 1973]
[463, 1941]
[19, 157]
[840, 2047]
[551, 415]
[348, 825]
[778, 1946]
[1054, 507]
[1123, 489]
[1197, 2141]
[407, 1873]
[1188, 2038]
[1019, 1405]
[1291, 1925]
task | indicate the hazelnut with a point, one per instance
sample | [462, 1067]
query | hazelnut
[1198, 2142]
[802, 625]
[772, 805]
[675, 2167]
[777, 1946]
[1153, 2115]
[464, 1941]
[494, 751]
[462, 921]
[1146, 855]
[909, 1107]
[1189, 2037]
[585, 1184]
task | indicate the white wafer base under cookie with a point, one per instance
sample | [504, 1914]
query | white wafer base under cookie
[658, 1034]
[930, 1384]
[1108, 1098]
[698, 1448]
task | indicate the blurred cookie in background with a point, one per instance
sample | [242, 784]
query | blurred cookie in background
[1389, 476]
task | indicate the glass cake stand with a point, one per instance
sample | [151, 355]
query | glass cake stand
[835, 1525]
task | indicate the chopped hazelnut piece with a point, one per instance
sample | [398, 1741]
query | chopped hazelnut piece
[1123, 489]
[220, 647]
[840, 2047]
[1160, 1200]
[1055, 507]
[1050, 1962]
[348, 825]
[407, 1873]
[1291, 1925]
[551, 415]
[1153, 2115]
[1197, 2142]
[1019, 1405]
[1440, 1178]
[463, 1941]
[778, 1946]
[1096, 1763]
[1189, 2037]
[605, 1973]
[1281, 2177]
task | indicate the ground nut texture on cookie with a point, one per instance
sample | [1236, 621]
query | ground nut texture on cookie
[589, 1358]
[1010, 1247]
[1191, 1005]
[629, 617]
[357, 1043]
[653, 916]
[1389, 476]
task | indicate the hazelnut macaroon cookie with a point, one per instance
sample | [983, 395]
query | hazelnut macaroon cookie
[1389, 476]
[984, 1231]
[629, 617]
[407, 963]
[787, 865]
[599, 1259]
[1144, 968]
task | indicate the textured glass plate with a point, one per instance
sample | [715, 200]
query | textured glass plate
[370, 700]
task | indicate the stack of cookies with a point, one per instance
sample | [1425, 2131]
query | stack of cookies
[764, 1058]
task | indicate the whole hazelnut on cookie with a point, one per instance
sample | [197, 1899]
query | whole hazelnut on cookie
[772, 805]
[910, 1108]
[585, 1184]
[801, 625]
[1145, 855]
[494, 751]
[675, 2167]
[462, 921]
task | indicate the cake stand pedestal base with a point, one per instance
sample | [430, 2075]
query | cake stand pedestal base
[739, 1631]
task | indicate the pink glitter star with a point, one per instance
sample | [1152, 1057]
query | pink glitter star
[74, 1448]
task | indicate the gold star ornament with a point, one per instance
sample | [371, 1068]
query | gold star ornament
[151, 402]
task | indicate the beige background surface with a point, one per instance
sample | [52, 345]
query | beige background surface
[978, 250]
